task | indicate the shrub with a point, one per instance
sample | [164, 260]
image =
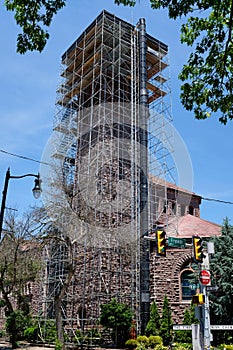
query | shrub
[78, 337]
[2, 303]
[31, 333]
[116, 317]
[183, 346]
[165, 330]
[142, 339]
[94, 337]
[141, 346]
[2, 333]
[161, 347]
[58, 345]
[17, 322]
[154, 340]
[131, 344]
[48, 331]
[153, 325]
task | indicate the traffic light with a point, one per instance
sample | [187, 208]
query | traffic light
[198, 299]
[161, 242]
[197, 249]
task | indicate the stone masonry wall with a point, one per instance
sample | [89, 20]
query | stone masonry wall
[165, 280]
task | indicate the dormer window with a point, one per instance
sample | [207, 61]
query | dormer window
[191, 210]
[182, 210]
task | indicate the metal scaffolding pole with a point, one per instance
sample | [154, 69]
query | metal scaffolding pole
[143, 117]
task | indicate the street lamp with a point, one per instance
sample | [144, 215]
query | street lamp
[36, 191]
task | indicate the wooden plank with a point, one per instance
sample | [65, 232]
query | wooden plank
[156, 92]
[155, 69]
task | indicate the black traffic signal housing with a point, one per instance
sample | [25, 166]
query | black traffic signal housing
[197, 249]
[198, 299]
[161, 242]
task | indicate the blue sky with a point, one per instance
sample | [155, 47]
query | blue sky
[28, 94]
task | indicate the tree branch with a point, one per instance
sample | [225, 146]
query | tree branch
[228, 40]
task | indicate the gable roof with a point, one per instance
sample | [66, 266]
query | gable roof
[189, 225]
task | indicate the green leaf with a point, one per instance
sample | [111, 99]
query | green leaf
[33, 17]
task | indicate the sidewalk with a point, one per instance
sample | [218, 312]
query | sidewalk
[4, 345]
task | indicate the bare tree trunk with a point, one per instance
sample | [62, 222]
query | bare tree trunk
[58, 318]
[58, 303]
[9, 313]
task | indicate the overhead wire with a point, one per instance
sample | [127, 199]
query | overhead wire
[23, 157]
[216, 200]
[38, 161]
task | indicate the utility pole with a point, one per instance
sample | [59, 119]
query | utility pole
[202, 300]
[205, 314]
[205, 321]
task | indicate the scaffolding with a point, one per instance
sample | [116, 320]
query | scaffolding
[112, 110]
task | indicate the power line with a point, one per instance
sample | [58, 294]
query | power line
[216, 200]
[38, 161]
[23, 157]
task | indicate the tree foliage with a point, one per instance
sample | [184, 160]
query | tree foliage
[19, 265]
[16, 324]
[189, 318]
[207, 76]
[166, 322]
[33, 17]
[117, 317]
[153, 325]
[221, 304]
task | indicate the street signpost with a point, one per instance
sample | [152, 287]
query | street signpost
[222, 326]
[182, 327]
[176, 242]
[212, 288]
[187, 327]
[204, 277]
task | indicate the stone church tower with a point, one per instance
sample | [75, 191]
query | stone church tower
[113, 126]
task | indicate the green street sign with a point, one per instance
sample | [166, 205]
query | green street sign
[176, 242]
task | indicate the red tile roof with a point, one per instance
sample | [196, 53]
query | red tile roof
[189, 225]
[170, 185]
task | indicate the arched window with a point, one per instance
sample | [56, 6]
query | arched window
[188, 285]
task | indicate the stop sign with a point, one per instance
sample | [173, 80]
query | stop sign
[204, 277]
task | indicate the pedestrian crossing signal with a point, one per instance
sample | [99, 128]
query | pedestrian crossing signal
[161, 242]
[198, 299]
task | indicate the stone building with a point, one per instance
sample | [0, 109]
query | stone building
[102, 272]
[114, 142]
[111, 273]
[173, 275]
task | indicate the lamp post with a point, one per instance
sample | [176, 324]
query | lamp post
[36, 191]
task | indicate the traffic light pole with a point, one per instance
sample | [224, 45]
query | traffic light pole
[207, 333]
[205, 309]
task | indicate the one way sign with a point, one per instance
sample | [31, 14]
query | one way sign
[211, 288]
